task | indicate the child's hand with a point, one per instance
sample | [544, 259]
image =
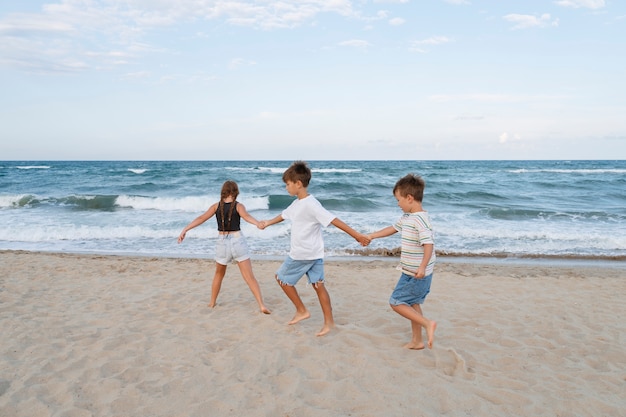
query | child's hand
[181, 237]
[262, 224]
[421, 272]
[364, 240]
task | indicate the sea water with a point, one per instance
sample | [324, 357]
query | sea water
[535, 209]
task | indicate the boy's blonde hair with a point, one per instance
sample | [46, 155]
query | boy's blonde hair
[410, 184]
[298, 171]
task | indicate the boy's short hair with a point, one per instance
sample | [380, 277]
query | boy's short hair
[298, 171]
[410, 184]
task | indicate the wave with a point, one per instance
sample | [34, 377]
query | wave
[86, 234]
[137, 170]
[33, 167]
[16, 201]
[569, 171]
[499, 213]
[190, 204]
[279, 202]
[280, 170]
[114, 202]
[353, 204]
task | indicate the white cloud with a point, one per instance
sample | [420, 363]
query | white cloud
[397, 21]
[433, 40]
[416, 46]
[589, 4]
[27, 39]
[524, 21]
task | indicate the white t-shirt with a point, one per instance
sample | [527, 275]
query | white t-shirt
[307, 217]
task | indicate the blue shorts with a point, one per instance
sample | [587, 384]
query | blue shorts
[231, 247]
[410, 290]
[292, 270]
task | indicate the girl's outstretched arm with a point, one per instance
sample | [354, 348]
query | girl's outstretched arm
[198, 221]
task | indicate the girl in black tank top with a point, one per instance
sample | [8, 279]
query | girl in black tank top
[228, 213]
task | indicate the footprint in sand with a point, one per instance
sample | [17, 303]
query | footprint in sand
[452, 363]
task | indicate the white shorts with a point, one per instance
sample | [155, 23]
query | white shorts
[231, 247]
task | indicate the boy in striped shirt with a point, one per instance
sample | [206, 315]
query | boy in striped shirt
[417, 258]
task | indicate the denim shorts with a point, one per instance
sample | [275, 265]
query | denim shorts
[231, 247]
[410, 290]
[292, 270]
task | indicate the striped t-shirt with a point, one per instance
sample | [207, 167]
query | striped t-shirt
[416, 231]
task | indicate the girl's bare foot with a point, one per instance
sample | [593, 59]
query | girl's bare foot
[211, 305]
[300, 316]
[264, 310]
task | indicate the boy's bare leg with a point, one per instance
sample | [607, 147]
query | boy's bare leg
[411, 314]
[301, 311]
[327, 308]
[245, 267]
[220, 271]
[416, 342]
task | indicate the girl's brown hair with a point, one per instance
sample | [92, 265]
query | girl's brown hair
[229, 189]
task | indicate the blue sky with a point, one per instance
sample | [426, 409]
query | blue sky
[312, 79]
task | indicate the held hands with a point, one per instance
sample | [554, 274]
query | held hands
[363, 239]
[262, 224]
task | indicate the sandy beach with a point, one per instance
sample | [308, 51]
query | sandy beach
[113, 336]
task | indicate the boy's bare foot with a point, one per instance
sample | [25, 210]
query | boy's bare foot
[414, 346]
[211, 305]
[300, 316]
[325, 330]
[264, 310]
[430, 331]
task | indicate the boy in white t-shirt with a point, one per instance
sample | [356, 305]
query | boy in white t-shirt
[306, 255]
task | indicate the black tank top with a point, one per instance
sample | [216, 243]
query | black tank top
[230, 222]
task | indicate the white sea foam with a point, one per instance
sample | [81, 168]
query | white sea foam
[194, 204]
[33, 167]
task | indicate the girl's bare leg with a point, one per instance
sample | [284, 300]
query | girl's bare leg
[417, 318]
[220, 271]
[245, 267]
[327, 309]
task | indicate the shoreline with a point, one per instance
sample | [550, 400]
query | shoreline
[496, 260]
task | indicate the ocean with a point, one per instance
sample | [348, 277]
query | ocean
[502, 209]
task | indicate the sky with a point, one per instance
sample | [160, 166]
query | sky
[312, 79]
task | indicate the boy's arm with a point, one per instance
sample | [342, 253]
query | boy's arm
[360, 237]
[264, 223]
[428, 252]
[387, 231]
